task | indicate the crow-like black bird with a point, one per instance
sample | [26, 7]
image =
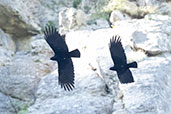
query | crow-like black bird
[119, 59]
[62, 56]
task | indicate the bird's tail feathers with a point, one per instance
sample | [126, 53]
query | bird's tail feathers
[132, 65]
[75, 53]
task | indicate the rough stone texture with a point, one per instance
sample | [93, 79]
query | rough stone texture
[85, 96]
[152, 33]
[23, 19]
[90, 6]
[143, 96]
[5, 105]
[153, 74]
[10, 105]
[71, 19]
[29, 85]
[159, 6]
[98, 24]
[90, 92]
[146, 95]
[149, 2]
[7, 48]
[40, 54]
[19, 79]
[18, 82]
[15, 20]
[6, 41]
[117, 15]
[165, 8]
[21, 72]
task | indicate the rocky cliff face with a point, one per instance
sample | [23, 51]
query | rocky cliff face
[29, 80]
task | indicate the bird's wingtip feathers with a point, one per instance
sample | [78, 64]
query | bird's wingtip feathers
[67, 86]
[115, 39]
[49, 30]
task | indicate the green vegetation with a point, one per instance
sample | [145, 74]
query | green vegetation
[101, 14]
[126, 7]
[24, 107]
[86, 9]
[115, 5]
[76, 3]
[23, 110]
[37, 61]
[50, 23]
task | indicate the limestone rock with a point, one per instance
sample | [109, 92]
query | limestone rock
[7, 48]
[6, 41]
[15, 19]
[40, 46]
[5, 105]
[165, 8]
[84, 96]
[117, 15]
[19, 79]
[23, 19]
[41, 54]
[146, 95]
[71, 19]
[88, 85]
[151, 34]
[98, 24]
[29, 80]
[92, 74]
[149, 2]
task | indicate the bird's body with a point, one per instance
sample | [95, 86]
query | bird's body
[120, 63]
[62, 56]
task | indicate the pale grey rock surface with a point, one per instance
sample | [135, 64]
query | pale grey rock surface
[5, 105]
[152, 34]
[7, 48]
[19, 78]
[17, 19]
[29, 80]
[98, 24]
[6, 41]
[165, 8]
[88, 96]
[41, 54]
[71, 19]
[145, 96]
[149, 2]
[117, 15]
[23, 19]
[90, 90]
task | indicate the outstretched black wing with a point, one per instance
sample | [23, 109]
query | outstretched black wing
[55, 40]
[125, 76]
[65, 65]
[66, 74]
[117, 51]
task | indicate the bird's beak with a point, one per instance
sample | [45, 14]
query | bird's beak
[53, 58]
[112, 68]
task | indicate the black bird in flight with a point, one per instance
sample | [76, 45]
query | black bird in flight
[119, 59]
[62, 56]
